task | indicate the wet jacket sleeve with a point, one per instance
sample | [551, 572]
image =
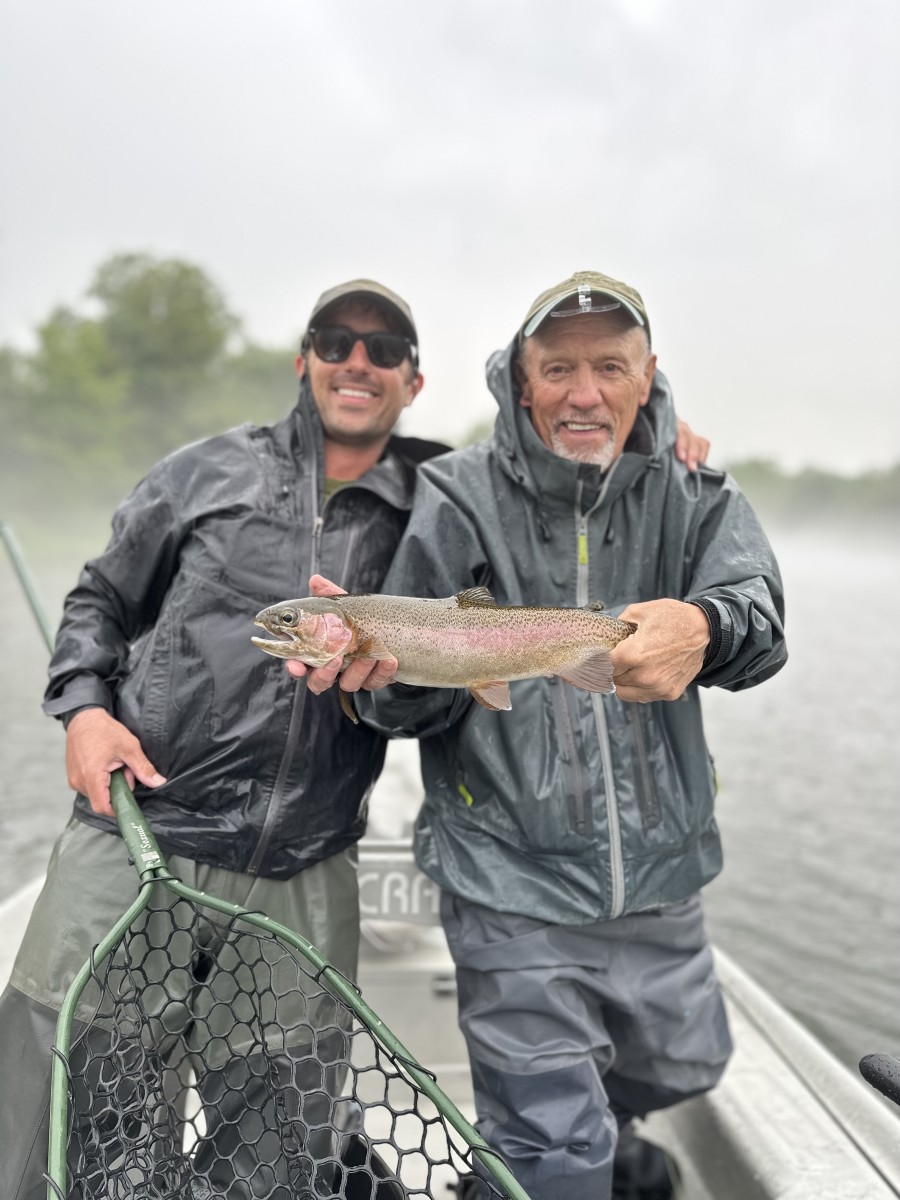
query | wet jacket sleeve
[734, 577]
[440, 554]
[117, 598]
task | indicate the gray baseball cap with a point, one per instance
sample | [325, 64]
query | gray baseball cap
[370, 290]
[580, 290]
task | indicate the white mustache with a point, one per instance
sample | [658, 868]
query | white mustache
[602, 421]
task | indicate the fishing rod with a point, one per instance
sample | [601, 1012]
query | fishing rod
[20, 566]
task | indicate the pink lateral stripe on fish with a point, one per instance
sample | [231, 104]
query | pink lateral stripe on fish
[464, 641]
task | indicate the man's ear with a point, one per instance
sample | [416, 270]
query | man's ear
[522, 380]
[300, 365]
[649, 372]
[415, 386]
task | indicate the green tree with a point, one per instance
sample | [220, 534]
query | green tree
[107, 391]
[77, 385]
[65, 404]
[167, 324]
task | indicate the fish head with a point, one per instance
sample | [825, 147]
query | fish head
[311, 630]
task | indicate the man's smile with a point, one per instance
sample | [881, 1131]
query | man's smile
[356, 392]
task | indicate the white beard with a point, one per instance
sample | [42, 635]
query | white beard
[600, 456]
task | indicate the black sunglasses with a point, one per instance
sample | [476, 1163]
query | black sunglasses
[334, 343]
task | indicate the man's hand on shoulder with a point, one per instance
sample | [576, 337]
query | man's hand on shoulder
[664, 654]
[96, 745]
[690, 447]
[366, 674]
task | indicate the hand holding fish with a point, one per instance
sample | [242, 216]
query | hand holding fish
[664, 655]
[364, 674]
[463, 641]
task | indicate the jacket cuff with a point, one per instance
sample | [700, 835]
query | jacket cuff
[73, 712]
[86, 691]
[720, 634]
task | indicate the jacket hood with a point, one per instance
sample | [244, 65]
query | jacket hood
[545, 474]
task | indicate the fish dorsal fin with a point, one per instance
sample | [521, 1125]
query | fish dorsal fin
[594, 675]
[477, 597]
[494, 694]
[595, 606]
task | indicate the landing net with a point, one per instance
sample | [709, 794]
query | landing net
[210, 1053]
[213, 1060]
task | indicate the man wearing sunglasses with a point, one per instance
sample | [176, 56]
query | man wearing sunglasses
[248, 788]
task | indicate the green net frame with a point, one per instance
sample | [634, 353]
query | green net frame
[207, 1052]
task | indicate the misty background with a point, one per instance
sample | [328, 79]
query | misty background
[180, 182]
[738, 163]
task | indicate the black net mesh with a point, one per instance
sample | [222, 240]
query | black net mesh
[211, 1061]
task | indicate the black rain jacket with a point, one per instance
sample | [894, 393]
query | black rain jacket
[261, 776]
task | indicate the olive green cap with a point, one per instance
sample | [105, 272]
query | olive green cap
[583, 286]
[373, 291]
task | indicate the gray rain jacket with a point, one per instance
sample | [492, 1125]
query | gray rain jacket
[260, 778]
[575, 807]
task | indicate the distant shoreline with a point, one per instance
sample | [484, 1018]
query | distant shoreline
[813, 497]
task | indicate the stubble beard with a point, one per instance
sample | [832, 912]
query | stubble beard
[597, 456]
[360, 439]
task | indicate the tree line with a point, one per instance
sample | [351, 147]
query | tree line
[154, 357]
[820, 499]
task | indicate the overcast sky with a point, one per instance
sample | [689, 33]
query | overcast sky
[737, 162]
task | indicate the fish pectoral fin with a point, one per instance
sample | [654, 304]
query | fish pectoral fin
[593, 675]
[494, 694]
[477, 597]
[347, 706]
[371, 646]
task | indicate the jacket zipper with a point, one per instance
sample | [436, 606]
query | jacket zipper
[299, 702]
[651, 814]
[297, 706]
[616, 864]
[569, 754]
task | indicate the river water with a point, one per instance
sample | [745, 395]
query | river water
[808, 767]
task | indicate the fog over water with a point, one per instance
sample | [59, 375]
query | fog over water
[809, 900]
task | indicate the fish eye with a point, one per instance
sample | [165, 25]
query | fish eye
[289, 616]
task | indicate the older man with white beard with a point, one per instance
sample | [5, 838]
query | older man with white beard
[572, 835]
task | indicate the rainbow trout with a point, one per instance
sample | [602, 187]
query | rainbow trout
[464, 641]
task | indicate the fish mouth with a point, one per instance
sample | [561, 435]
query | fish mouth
[281, 642]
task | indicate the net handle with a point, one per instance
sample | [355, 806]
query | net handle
[142, 846]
